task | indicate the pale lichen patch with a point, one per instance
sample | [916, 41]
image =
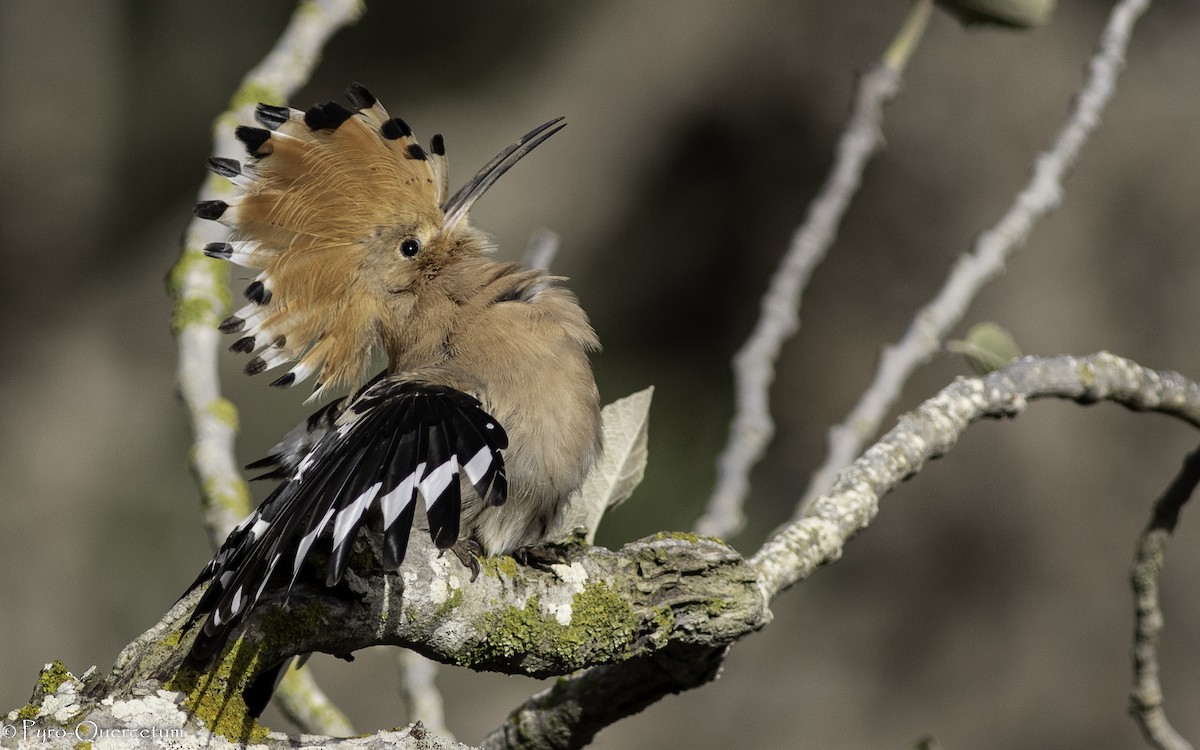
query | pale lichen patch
[561, 608]
[160, 710]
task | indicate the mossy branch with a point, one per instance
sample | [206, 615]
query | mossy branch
[605, 607]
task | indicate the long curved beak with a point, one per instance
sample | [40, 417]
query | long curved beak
[457, 205]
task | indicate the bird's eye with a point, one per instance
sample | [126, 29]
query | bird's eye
[409, 248]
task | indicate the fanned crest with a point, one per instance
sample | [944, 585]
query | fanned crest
[317, 189]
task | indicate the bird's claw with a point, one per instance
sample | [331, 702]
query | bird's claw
[542, 555]
[468, 552]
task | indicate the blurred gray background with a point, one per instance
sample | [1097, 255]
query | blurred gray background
[987, 606]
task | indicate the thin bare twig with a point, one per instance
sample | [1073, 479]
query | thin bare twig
[199, 289]
[818, 537]
[933, 322]
[1146, 698]
[751, 429]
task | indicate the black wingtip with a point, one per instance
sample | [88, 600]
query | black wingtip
[232, 324]
[262, 463]
[415, 151]
[438, 144]
[497, 493]
[244, 345]
[443, 528]
[360, 97]
[287, 380]
[210, 209]
[201, 658]
[444, 515]
[395, 538]
[255, 366]
[277, 469]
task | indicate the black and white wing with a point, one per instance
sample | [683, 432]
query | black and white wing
[394, 442]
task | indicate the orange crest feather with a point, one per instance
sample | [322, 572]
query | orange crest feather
[330, 202]
[318, 187]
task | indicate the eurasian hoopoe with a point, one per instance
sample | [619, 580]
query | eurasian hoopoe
[487, 384]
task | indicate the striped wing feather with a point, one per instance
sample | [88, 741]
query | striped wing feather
[395, 442]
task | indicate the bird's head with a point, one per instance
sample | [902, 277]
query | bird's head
[348, 218]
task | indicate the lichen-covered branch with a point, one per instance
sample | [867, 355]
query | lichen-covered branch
[604, 607]
[1040, 196]
[1146, 698]
[198, 284]
[70, 715]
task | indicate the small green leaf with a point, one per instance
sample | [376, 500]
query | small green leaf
[988, 347]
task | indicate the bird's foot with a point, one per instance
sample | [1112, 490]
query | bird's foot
[543, 555]
[468, 552]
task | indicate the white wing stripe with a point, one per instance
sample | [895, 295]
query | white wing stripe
[305, 462]
[258, 529]
[398, 499]
[351, 513]
[307, 541]
[436, 482]
[478, 465]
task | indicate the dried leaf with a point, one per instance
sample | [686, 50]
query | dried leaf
[619, 471]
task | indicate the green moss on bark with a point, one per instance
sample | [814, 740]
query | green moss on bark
[601, 626]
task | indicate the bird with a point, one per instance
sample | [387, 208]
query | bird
[487, 413]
